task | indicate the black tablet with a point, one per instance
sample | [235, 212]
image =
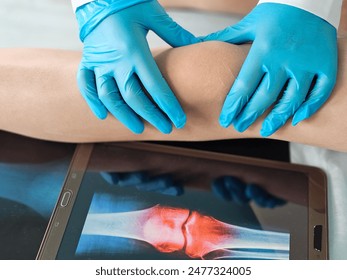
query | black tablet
[147, 201]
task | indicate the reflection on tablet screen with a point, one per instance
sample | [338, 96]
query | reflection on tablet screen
[145, 205]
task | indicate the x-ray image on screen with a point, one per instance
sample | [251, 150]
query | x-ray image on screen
[151, 206]
[162, 230]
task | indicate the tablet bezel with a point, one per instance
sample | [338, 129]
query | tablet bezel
[317, 184]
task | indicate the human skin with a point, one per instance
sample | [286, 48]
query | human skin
[50, 74]
[235, 7]
[39, 98]
[224, 6]
[343, 21]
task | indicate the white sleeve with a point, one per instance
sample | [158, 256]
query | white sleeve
[329, 10]
[77, 3]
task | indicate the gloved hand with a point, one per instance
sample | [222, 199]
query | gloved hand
[118, 73]
[142, 181]
[293, 50]
[231, 188]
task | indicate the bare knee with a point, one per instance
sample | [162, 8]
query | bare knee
[202, 72]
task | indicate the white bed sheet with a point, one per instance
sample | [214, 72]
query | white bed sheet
[335, 166]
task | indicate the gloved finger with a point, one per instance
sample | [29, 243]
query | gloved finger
[230, 188]
[265, 95]
[110, 177]
[156, 183]
[275, 202]
[155, 84]
[236, 189]
[124, 179]
[243, 88]
[173, 191]
[293, 96]
[239, 33]
[261, 197]
[136, 98]
[87, 86]
[316, 98]
[171, 32]
[163, 184]
[110, 96]
[219, 189]
[134, 178]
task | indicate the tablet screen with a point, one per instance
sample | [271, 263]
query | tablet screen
[146, 204]
[31, 177]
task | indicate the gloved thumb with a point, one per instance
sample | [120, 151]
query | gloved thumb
[235, 34]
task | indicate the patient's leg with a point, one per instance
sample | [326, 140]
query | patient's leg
[224, 6]
[39, 98]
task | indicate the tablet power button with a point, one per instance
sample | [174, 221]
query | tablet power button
[65, 199]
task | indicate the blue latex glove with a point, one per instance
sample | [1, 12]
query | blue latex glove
[118, 73]
[163, 184]
[231, 188]
[293, 50]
